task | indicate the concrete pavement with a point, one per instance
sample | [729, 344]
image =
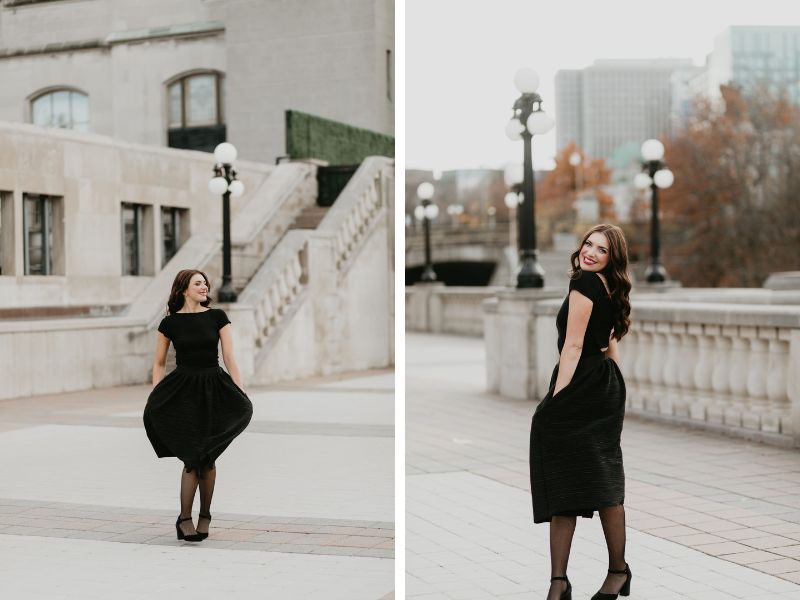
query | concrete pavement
[709, 517]
[303, 506]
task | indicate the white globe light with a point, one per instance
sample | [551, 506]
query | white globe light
[511, 199]
[236, 188]
[514, 130]
[575, 159]
[663, 178]
[225, 153]
[431, 211]
[642, 181]
[425, 190]
[513, 174]
[217, 186]
[539, 122]
[652, 150]
[419, 212]
[526, 80]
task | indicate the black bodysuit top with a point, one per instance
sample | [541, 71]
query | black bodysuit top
[598, 330]
[195, 336]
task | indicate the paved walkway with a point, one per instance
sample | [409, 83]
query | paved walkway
[303, 506]
[709, 517]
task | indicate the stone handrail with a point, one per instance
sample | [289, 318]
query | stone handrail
[277, 284]
[359, 204]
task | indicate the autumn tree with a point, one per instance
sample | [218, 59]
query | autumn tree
[557, 191]
[731, 217]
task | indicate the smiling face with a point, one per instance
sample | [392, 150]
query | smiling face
[197, 291]
[594, 254]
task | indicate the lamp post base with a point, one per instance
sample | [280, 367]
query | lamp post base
[227, 293]
[655, 274]
[531, 273]
[428, 275]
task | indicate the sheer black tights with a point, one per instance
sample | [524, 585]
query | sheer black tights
[206, 493]
[561, 533]
[189, 485]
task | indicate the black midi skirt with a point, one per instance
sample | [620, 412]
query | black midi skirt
[575, 455]
[194, 413]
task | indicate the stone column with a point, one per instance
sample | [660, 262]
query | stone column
[793, 383]
[514, 342]
[420, 315]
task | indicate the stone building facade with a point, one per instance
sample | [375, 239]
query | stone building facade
[191, 73]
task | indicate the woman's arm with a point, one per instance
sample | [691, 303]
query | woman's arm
[226, 337]
[613, 350]
[160, 361]
[580, 309]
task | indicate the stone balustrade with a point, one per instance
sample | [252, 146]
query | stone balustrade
[723, 366]
[275, 287]
[356, 208]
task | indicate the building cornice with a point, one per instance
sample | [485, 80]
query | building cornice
[134, 36]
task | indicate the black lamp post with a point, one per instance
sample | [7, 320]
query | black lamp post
[426, 212]
[655, 175]
[225, 183]
[528, 119]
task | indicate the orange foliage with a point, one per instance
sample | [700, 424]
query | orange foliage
[731, 217]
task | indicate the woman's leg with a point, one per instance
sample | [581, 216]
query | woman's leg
[188, 490]
[206, 493]
[613, 520]
[561, 531]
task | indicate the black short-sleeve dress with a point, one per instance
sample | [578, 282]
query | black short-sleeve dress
[575, 455]
[197, 410]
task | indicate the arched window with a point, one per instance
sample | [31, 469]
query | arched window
[195, 103]
[65, 108]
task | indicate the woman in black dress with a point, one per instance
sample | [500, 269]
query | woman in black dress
[197, 410]
[575, 456]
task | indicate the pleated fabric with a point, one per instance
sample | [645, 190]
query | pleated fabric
[575, 455]
[194, 413]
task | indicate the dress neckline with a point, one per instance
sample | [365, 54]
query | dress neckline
[199, 312]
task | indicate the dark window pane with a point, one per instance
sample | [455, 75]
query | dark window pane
[130, 239]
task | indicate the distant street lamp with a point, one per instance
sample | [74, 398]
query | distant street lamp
[224, 182]
[426, 212]
[654, 175]
[575, 161]
[528, 119]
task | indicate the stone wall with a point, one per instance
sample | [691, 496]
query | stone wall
[93, 175]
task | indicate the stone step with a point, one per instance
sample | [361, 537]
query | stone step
[310, 218]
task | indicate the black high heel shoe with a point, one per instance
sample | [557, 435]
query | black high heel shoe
[625, 590]
[567, 593]
[192, 537]
[201, 534]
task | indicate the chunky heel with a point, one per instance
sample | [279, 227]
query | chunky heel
[625, 590]
[567, 593]
[204, 535]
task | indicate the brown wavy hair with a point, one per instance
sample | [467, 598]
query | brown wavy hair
[180, 285]
[615, 272]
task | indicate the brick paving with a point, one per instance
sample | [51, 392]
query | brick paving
[709, 517]
[303, 506]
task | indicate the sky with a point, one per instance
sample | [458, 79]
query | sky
[461, 56]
